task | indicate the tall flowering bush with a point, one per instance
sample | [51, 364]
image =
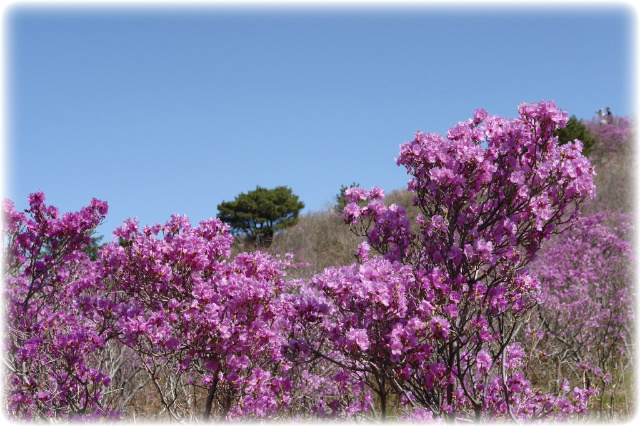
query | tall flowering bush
[196, 319]
[49, 345]
[489, 193]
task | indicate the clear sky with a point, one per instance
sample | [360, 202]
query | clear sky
[162, 111]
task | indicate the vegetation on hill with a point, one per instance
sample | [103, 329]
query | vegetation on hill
[479, 293]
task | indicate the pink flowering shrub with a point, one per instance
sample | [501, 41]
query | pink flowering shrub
[586, 280]
[49, 345]
[325, 388]
[352, 317]
[194, 318]
[489, 194]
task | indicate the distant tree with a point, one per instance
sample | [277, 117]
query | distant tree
[576, 130]
[260, 213]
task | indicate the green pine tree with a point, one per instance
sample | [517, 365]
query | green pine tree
[258, 214]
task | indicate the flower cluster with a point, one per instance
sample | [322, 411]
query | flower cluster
[180, 301]
[49, 344]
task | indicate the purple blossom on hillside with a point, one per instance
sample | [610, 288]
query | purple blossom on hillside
[489, 194]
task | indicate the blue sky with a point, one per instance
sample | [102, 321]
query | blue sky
[162, 111]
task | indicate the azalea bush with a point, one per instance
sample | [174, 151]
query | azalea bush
[49, 347]
[194, 319]
[586, 280]
[490, 193]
